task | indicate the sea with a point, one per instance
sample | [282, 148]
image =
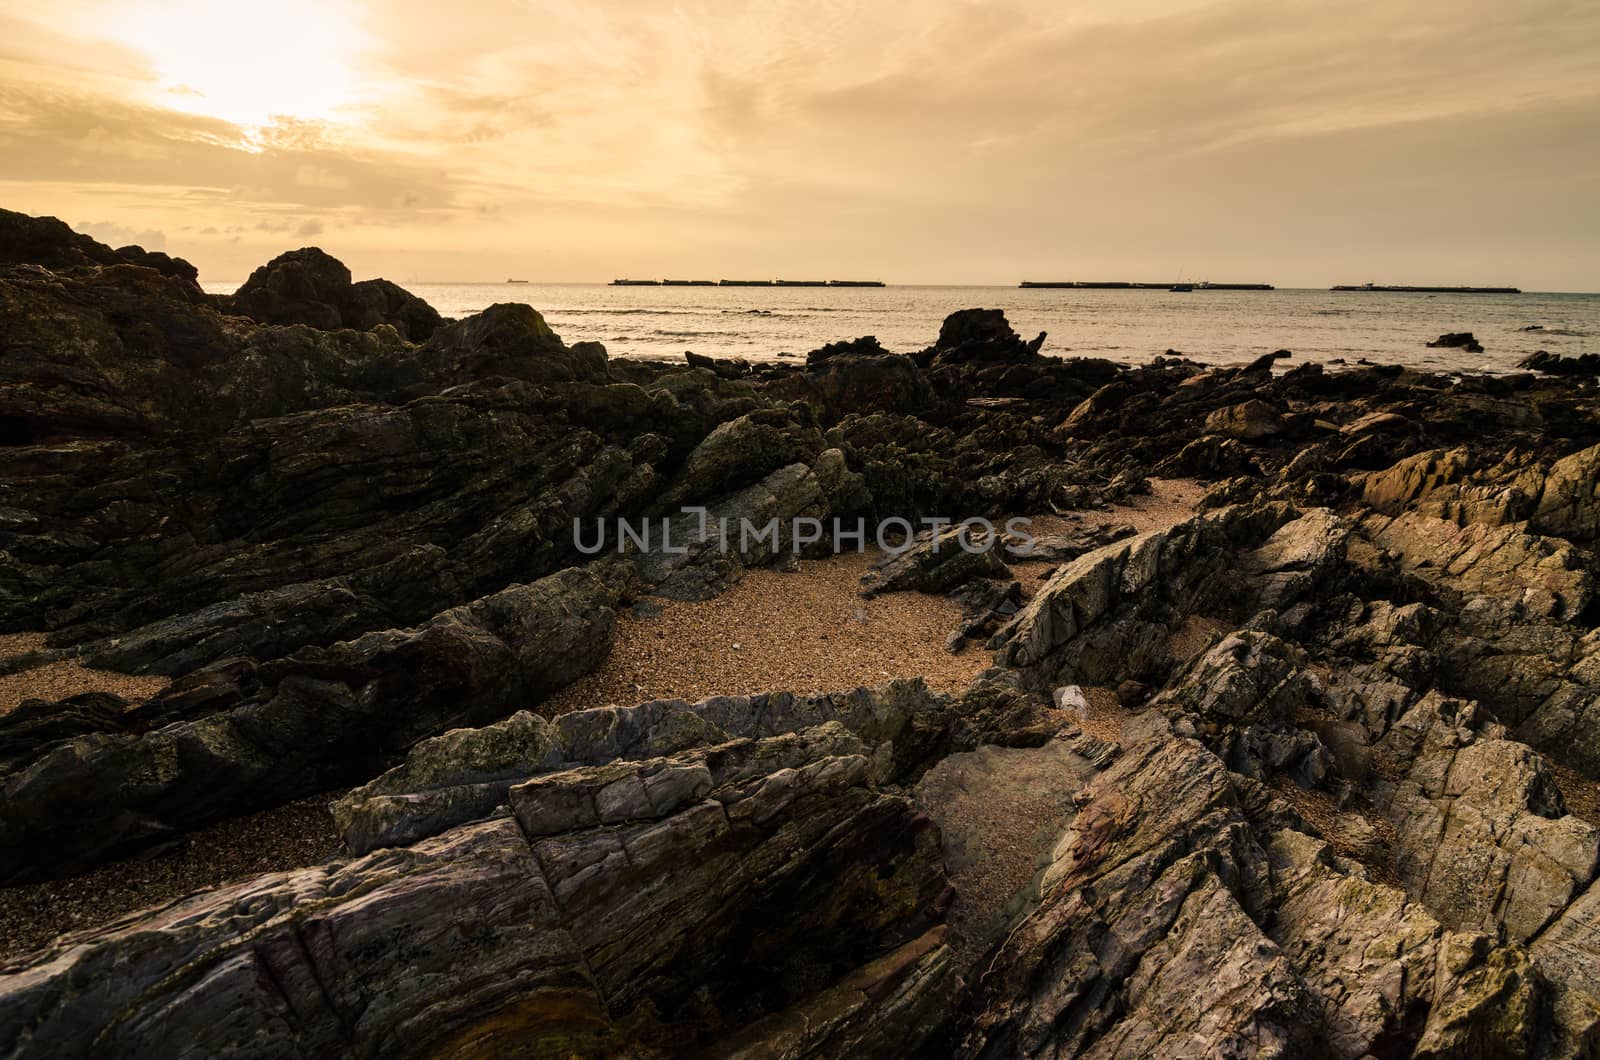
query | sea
[1219, 327]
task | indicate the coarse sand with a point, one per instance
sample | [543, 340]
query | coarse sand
[291, 836]
[803, 631]
[64, 677]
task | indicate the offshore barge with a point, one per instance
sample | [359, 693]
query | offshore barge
[1405, 289]
[1124, 285]
[743, 283]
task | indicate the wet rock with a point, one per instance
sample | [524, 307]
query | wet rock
[1587, 364]
[1461, 340]
[728, 368]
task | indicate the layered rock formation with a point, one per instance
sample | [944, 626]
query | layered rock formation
[1347, 808]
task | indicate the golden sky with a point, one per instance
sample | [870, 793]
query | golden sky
[938, 141]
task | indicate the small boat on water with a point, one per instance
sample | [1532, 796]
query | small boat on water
[516, 281]
[1181, 288]
[636, 283]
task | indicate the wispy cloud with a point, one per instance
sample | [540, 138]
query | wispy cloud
[948, 140]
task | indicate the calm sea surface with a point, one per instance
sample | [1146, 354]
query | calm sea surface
[763, 323]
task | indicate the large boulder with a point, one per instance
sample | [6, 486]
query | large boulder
[508, 339]
[310, 286]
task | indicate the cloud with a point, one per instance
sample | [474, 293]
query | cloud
[946, 141]
[115, 235]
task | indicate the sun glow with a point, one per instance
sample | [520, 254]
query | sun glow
[247, 63]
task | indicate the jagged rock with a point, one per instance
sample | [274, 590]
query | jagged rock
[1104, 617]
[1544, 576]
[1461, 340]
[1569, 497]
[50, 243]
[696, 555]
[1248, 421]
[319, 717]
[845, 490]
[726, 901]
[1248, 693]
[743, 450]
[986, 606]
[725, 368]
[1484, 840]
[1209, 457]
[462, 775]
[937, 561]
[1378, 423]
[1175, 932]
[1561, 364]
[1062, 548]
[1299, 556]
[846, 376]
[508, 339]
[309, 286]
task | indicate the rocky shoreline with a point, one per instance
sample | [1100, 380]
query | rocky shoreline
[1305, 765]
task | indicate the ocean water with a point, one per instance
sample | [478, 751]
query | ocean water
[772, 323]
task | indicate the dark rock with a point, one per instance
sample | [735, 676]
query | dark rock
[733, 368]
[319, 718]
[938, 561]
[50, 243]
[1265, 361]
[309, 286]
[1462, 340]
[753, 871]
[1559, 364]
[1249, 421]
[508, 339]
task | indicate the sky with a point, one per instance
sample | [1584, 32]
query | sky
[926, 141]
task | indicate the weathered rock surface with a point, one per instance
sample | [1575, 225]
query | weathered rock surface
[936, 561]
[300, 725]
[50, 243]
[1175, 919]
[1339, 729]
[501, 934]
[309, 286]
[465, 774]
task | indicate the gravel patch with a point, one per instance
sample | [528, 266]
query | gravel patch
[802, 631]
[291, 836]
[63, 678]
